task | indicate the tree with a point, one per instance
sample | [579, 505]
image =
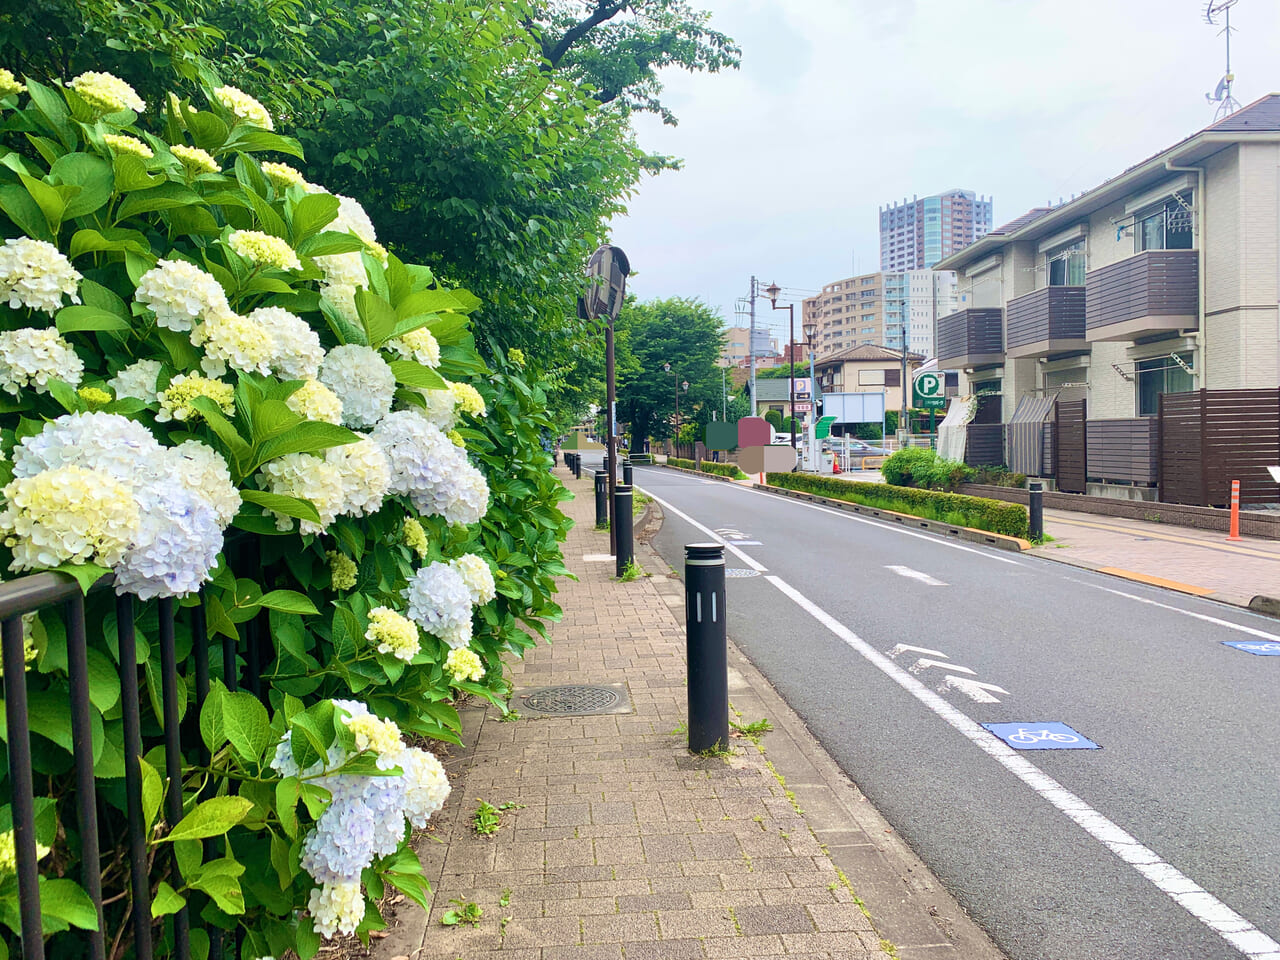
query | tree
[688, 335]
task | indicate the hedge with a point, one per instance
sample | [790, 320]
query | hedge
[729, 470]
[682, 463]
[995, 516]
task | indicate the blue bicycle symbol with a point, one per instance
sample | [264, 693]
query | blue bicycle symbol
[1260, 647]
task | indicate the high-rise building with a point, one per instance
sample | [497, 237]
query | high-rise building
[917, 233]
[874, 308]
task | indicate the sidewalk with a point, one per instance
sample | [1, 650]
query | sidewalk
[620, 845]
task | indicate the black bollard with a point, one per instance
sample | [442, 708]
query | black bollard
[626, 472]
[602, 498]
[623, 552]
[706, 629]
[1037, 510]
[577, 466]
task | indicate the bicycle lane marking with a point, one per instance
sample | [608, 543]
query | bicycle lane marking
[1204, 906]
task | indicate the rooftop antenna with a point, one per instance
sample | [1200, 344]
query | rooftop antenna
[1227, 104]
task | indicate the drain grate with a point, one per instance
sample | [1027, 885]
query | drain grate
[575, 699]
[732, 572]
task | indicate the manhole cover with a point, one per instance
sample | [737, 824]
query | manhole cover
[740, 572]
[575, 699]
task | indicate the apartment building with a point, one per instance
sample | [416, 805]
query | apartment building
[879, 308]
[1164, 279]
[915, 234]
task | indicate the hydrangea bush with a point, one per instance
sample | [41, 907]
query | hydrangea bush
[215, 384]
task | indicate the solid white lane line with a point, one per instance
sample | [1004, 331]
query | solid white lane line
[914, 575]
[754, 564]
[1217, 621]
[1184, 891]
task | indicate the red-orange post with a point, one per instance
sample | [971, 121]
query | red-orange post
[1235, 511]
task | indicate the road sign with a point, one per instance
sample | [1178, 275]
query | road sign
[930, 390]
[1041, 736]
[803, 386]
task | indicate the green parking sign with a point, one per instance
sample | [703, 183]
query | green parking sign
[930, 390]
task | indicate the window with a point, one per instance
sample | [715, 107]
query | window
[871, 378]
[1161, 375]
[1168, 227]
[1067, 266]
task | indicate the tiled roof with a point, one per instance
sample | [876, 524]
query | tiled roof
[1035, 213]
[1261, 115]
[867, 351]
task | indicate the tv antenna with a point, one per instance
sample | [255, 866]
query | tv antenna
[1227, 104]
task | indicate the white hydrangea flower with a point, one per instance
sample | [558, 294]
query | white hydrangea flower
[230, 340]
[140, 379]
[31, 358]
[308, 478]
[244, 106]
[297, 353]
[179, 294]
[440, 602]
[105, 443]
[393, 633]
[264, 250]
[352, 218]
[420, 345]
[176, 545]
[477, 576]
[469, 499]
[107, 93]
[441, 408]
[9, 84]
[363, 382]
[336, 907]
[365, 475]
[315, 401]
[463, 664]
[34, 274]
[420, 456]
[68, 515]
[342, 297]
[346, 269]
[426, 785]
[176, 400]
[201, 469]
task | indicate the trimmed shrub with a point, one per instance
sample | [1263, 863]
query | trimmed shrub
[999, 477]
[906, 467]
[774, 418]
[995, 516]
[729, 470]
[682, 463]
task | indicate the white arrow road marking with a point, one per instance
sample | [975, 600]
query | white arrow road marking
[974, 689]
[905, 647]
[751, 562]
[924, 664]
[914, 575]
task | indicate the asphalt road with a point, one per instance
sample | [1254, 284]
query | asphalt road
[1163, 844]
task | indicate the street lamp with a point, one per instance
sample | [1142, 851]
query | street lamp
[772, 292]
[675, 437]
[810, 328]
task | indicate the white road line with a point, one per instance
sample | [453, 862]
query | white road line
[754, 564]
[914, 575]
[924, 663]
[904, 647]
[1184, 891]
[1186, 613]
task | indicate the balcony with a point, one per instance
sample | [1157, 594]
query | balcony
[1046, 322]
[971, 338]
[1155, 291]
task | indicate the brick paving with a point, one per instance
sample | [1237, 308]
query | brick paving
[622, 845]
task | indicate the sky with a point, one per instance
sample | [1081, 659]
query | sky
[843, 106]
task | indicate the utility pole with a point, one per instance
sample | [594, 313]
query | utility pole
[751, 346]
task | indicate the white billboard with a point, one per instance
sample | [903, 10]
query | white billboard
[854, 407]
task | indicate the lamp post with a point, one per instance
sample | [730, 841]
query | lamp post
[772, 292]
[607, 273]
[810, 328]
[675, 435]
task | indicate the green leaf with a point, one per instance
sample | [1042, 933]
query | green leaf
[104, 681]
[152, 793]
[65, 900]
[19, 207]
[312, 214]
[219, 879]
[96, 295]
[54, 110]
[281, 860]
[64, 394]
[247, 725]
[207, 130]
[211, 818]
[166, 901]
[307, 941]
[270, 221]
[329, 243]
[212, 728]
[164, 197]
[131, 173]
[288, 601]
[51, 200]
[414, 374]
[288, 792]
[78, 318]
[270, 418]
[377, 315]
[252, 140]
[93, 175]
[427, 301]
[86, 574]
[289, 506]
[310, 436]
[92, 241]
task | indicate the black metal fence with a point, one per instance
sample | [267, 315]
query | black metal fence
[43, 591]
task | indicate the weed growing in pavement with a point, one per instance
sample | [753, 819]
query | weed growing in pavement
[632, 571]
[734, 917]
[467, 912]
[754, 730]
[486, 819]
[717, 749]
[505, 899]
[680, 729]
[602, 525]
[511, 716]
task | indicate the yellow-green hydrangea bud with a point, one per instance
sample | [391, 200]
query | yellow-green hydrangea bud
[283, 175]
[373, 733]
[106, 93]
[342, 570]
[195, 159]
[176, 399]
[121, 144]
[244, 107]
[94, 396]
[9, 85]
[468, 399]
[463, 664]
[393, 633]
[264, 249]
[415, 538]
[516, 356]
[456, 437]
[378, 251]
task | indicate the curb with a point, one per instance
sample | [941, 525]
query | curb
[699, 473]
[906, 903]
[998, 540]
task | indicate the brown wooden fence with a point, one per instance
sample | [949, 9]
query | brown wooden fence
[1210, 437]
[1123, 451]
[985, 445]
[1072, 445]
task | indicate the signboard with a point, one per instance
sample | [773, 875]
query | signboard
[854, 407]
[929, 390]
[803, 387]
[822, 429]
[803, 407]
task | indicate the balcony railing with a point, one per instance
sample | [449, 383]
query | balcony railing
[971, 338]
[1156, 290]
[1046, 322]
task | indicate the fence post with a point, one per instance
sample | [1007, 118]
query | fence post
[624, 554]
[22, 788]
[577, 466]
[1036, 510]
[602, 498]
[1235, 511]
[705, 647]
